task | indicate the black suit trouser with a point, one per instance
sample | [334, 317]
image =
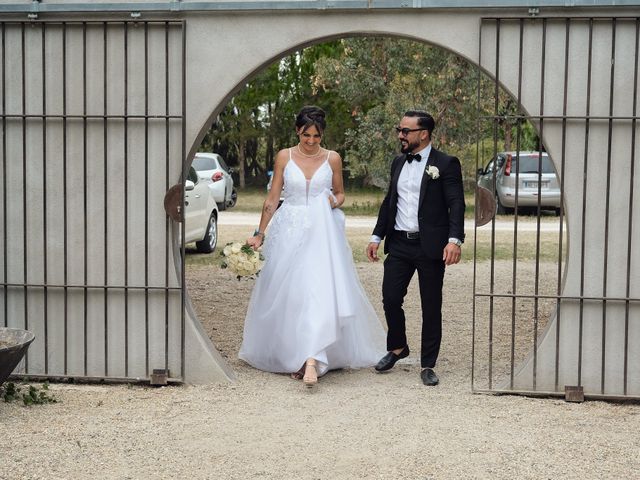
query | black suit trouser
[404, 258]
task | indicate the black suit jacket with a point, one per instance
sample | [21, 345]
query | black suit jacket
[441, 209]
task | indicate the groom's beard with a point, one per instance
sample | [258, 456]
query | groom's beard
[406, 147]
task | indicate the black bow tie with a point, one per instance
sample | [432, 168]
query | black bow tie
[411, 157]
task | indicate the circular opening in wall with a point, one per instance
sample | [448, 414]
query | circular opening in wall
[365, 84]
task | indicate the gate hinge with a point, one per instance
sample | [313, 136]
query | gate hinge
[573, 393]
[159, 377]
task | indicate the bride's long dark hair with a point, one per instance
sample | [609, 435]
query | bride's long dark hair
[310, 115]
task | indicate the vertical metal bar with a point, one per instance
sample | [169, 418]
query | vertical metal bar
[64, 198]
[4, 178]
[631, 209]
[126, 200]
[183, 289]
[44, 199]
[166, 182]
[84, 192]
[607, 206]
[584, 200]
[146, 197]
[514, 277]
[25, 233]
[475, 225]
[539, 213]
[105, 174]
[561, 226]
[493, 224]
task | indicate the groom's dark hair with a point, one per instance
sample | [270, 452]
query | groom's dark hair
[424, 119]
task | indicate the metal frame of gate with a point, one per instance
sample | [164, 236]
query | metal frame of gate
[94, 257]
[488, 374]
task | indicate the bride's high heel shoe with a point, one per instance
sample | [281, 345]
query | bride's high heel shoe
[310, 381]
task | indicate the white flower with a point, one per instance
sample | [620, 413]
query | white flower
[432, 171]
[241, 260]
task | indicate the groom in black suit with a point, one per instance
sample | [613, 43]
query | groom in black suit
[422, 221]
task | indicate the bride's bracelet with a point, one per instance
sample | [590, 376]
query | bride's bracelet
[258, 233]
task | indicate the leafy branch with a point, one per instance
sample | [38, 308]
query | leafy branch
[29, 394]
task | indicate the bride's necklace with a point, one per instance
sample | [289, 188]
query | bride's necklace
[307, 155]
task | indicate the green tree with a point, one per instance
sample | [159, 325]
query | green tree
[364, 84]
[383, 77]
[259, 120]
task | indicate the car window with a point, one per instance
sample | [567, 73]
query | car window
[204, 163]
[193, 176]
[489, 167]
[223, 164]
[529, 164]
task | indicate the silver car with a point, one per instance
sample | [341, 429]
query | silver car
[212, 167]
[534, 188]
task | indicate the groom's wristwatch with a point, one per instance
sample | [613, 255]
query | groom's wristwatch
[455, 241]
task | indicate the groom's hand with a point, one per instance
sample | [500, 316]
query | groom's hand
[451, 254]
[372, 251]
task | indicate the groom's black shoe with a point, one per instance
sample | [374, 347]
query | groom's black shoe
[429, 377]
[389, 360]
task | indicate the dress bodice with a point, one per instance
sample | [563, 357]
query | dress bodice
[298, 190]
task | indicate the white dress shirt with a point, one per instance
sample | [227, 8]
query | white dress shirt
[408, 187]
[409, 192]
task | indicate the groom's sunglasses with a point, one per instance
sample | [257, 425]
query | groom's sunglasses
[406, 131]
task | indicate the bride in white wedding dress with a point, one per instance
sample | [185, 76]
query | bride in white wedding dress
[308, 312]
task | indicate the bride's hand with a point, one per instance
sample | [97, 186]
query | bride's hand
[333, 201]
[255, 241]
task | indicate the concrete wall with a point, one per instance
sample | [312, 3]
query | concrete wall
[225, 49]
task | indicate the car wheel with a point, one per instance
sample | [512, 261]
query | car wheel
[234, 198]
[208, 243]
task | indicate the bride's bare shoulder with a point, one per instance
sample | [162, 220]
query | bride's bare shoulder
[334, 159]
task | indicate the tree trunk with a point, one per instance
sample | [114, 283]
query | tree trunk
[241, 165]
[508, 140]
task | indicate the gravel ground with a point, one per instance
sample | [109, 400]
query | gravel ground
[356, 424]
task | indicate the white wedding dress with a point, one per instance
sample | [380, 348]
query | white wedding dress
[308, 301]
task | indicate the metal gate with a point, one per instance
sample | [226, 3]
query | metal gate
[556, 304]
[92, 127]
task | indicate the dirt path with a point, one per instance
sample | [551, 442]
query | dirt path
[357, 424]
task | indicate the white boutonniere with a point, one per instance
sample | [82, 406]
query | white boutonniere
[432, 171]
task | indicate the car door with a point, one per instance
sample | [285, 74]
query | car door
[195, 201]
[485, 176]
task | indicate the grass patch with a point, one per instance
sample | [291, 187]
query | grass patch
[250, 199]
[358, 239]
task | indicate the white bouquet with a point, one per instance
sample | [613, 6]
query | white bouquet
[241, 259]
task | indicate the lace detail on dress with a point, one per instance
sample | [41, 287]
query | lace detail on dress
[287, 225]
[292, 219]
